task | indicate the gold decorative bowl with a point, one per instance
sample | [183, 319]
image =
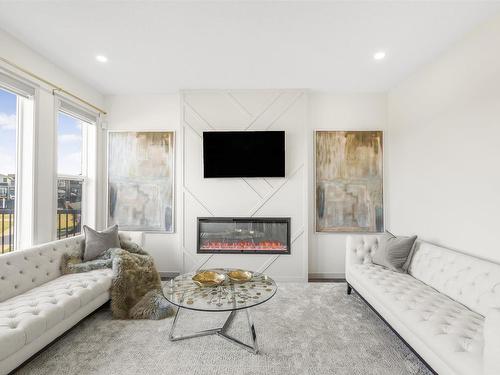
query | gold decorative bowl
[208, 278]
[240, 276]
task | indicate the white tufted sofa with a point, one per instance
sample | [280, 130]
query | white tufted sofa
[447, 308]
[37, 303]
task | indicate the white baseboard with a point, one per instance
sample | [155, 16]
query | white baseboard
[327, 275]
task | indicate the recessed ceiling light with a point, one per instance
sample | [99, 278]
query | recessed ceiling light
[101, 58]
[380, 55]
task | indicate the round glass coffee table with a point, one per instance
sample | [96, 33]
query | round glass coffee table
[232, 297]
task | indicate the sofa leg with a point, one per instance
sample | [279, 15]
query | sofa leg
[349, 289]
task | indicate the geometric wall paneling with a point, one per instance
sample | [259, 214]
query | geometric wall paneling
[208, 104]
[192, 209]
[273, 182]
[275, 205]
[254, 102]
[219, 201]
[291, 121]
[290, 267]
[252, 262]
[260, 186]
[204, 110]
[267, 119]
[194, 122]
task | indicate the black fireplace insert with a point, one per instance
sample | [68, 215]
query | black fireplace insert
[243, 235]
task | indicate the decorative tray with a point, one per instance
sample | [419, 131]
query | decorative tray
[240, 276]
[209, 278]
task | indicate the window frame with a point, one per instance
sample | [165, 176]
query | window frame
[26, 94]
[90, 118]
[26, 133]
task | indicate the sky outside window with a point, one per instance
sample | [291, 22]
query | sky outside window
[8, 122]
[69, 145]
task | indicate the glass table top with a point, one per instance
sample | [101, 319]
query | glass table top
[184, 292]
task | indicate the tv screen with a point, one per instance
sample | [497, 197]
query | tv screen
[244, 154]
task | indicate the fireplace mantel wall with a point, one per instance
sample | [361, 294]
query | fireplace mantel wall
[203, 110]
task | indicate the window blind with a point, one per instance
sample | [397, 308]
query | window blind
[16, 86]
[77, 111]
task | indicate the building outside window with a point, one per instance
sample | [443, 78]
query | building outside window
[8, 161]
[75, 189]
[76, 184]
[72, 174]
[16, 163]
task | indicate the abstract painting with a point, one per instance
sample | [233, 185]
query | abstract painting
[141, 180]
[349, 181]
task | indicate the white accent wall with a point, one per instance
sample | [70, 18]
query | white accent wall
[246, 197]
[444, 147]
[338, 112]
[299, 113]
[151, 112]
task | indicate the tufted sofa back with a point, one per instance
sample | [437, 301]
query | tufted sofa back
[469, 280]
[23, 270]
[360, 249]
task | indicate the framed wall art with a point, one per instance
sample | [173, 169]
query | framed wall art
[141, 180]
[349, 181]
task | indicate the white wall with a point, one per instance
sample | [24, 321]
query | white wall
[155, 112]
[151, 112]
[45, 122]
[444, 147]
[337, 112]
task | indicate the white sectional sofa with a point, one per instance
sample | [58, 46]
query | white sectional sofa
[38, 304]
[446, 308]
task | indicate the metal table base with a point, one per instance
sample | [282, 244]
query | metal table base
[222, 331]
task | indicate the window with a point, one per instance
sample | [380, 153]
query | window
[76, 138]
[8, 163]
[71, 175]
[16, 163]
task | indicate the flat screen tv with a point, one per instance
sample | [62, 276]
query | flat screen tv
[244, 154]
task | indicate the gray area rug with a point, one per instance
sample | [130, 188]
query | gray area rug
[310, 328]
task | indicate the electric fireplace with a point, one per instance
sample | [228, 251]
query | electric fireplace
[241, 235]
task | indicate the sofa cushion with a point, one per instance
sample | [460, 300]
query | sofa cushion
[25, 317]
[447, 327]
[466, 279]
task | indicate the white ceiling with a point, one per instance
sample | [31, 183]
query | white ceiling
[158, 47]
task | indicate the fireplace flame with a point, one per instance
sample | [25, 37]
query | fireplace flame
[244, 245]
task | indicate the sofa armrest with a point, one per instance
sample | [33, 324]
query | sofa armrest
[491, 353]
[136, 237]
[359, 249]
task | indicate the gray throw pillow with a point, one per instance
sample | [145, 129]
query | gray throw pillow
[393, 252]
[98, 242]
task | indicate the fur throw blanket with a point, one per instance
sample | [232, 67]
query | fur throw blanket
[136, 291]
